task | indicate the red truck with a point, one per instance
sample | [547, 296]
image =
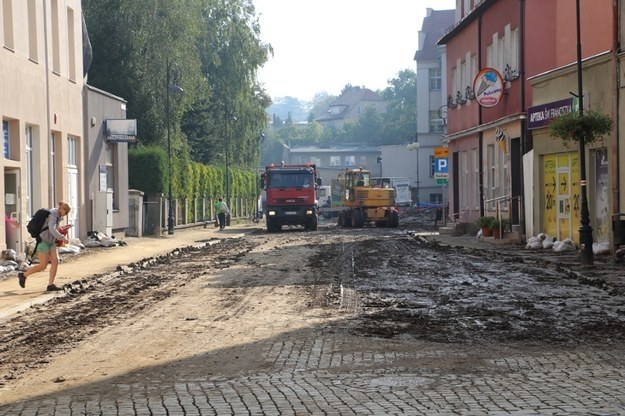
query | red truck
[291, 196]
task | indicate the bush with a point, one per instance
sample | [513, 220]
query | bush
[485, 221]
[494, 224]
[590, 127]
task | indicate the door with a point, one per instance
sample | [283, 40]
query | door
[72, 186]
[12, 218]
[72, 178]
[561, 195]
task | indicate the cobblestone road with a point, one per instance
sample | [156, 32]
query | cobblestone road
[322, 368]
[309, 375]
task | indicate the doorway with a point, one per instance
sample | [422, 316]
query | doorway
[12, 218]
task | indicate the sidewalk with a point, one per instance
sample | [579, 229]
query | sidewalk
[101, 260]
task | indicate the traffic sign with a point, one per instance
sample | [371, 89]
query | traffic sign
[441, 165]
[441, 152]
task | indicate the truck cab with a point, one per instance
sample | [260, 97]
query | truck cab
[291, 192]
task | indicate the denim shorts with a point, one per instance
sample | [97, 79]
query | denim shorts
[44, 247]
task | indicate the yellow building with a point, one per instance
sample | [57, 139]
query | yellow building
[555, 166]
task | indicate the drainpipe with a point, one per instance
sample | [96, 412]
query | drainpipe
[479, 120]
[616, 49]
[48, 111]
[524, 110]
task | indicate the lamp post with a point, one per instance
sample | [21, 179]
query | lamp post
[229, 117]
[173, 73]
[261, 139]
[585, 230]
[415, 147]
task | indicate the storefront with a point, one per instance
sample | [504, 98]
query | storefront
[556, 165]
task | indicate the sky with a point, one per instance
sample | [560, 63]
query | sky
[323, 45]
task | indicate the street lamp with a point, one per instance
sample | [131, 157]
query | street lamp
[585, 230]
[173, 74]
[228, 117]
[415, 147]
[261, 139]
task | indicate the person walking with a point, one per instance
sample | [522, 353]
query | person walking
[222, 210]
[46, 248]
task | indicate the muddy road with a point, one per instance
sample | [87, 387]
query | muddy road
[369, 284]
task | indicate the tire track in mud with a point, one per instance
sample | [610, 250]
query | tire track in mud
[407, 287]
[33, 337]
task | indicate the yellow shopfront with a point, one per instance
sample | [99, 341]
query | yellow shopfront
[561, 201]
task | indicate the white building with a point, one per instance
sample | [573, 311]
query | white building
[43, 107]
[431, 111]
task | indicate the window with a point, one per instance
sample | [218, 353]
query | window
[466, 7]
[492, 170]
[6, 139]
[350, 160]
[436, 198]
[504, 51]
[363, 160]
[315, 161]
[56, 43]
[110, 163]
[476, 178]
[28, 135]
[52, 169]
[71, 45]
[335, 160]
[464, 180]
[7, 23]
[432, 166]
[436, 122]
[33, 52]
[435, 79]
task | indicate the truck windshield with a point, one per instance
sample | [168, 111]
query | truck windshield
[290, 180]
[361, 179]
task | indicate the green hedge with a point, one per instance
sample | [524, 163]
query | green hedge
[148, 172]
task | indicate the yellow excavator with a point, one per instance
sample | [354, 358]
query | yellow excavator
[364, 203]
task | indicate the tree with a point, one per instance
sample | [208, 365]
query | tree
[399, 120]
[216, 46]
[131, 61]
[320, 104]
[231, 54]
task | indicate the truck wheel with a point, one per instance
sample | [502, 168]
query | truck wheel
[272, 227]
[393, 219]
[344, 219]
[312, 224]
[347, 218]
[358, 218]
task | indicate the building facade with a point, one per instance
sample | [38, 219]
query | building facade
[332, 161]
[41, 71]
[495, 47]
[431, 114]
[54, 148]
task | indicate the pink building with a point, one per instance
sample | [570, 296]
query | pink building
[494, 49]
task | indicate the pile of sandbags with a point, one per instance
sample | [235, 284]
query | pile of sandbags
[543, 241]
[98, 239]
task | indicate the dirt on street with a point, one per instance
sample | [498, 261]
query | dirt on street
[370, 282]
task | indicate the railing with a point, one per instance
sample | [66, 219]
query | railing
[509, 200]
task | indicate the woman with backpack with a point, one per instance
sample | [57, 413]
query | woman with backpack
[46, 246]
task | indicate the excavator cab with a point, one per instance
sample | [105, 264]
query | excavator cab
[364, 203]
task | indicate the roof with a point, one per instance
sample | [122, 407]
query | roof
[334, 149]
[435, 25]
[349, 100]
[466, 21]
